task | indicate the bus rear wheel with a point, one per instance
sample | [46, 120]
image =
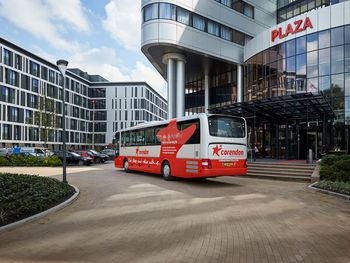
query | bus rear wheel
[166, 172]
[126, 165]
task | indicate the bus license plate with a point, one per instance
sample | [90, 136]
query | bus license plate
[228, 164]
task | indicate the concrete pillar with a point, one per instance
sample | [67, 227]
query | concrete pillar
[239, 83]
[180, 88]
[176, 83]
[171, 67]
[206, 93]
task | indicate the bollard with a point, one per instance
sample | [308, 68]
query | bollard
[310, 159]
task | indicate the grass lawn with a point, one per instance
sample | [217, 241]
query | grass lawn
[23, 195]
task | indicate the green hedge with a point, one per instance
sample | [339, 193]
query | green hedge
[20, 160]
[335, 168]
[339, 187]
[23, 195]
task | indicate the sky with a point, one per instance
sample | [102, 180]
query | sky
[98, 36]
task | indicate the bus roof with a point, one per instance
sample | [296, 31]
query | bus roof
[158, 123]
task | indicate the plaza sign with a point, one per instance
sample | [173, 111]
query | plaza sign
[291, 29]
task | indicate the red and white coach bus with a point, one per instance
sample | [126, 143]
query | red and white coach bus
[190, 147]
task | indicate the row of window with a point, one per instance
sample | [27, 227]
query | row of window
[19, 133]
[148, 136]
[239, 6]
[287, 9]
[181, 15]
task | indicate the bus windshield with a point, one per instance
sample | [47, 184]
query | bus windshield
[226, 127]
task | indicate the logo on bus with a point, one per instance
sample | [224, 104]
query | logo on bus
[141, 152]
[217, 150]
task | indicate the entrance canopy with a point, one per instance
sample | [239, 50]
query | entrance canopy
[281, 109]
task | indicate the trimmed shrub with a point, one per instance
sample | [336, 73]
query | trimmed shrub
[335, 168]
[17, 160]
[24, 195]
[52, 161]
[33, 161]
[4, 161]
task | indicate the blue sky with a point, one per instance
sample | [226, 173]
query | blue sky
[98, 36]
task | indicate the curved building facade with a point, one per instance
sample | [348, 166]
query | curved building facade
[291, 80]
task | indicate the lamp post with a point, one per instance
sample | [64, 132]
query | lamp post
[93, 124]
[62, 66]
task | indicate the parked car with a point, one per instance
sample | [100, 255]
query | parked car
[109, 152]
[97, 157]
[74, 158]
[30, 154]
[5, 152]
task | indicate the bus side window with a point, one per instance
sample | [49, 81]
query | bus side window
[156, 130]
[149, 136]
[195, 138]
[132, 138]
[140, 137]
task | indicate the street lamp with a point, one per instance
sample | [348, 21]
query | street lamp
[62, 66]
[93, 124]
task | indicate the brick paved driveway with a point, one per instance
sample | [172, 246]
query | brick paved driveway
[141, 218]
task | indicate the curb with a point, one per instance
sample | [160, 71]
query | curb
[342, 196]
[42, 214]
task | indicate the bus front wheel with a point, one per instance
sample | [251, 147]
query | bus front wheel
[166, 171]
[126, 165]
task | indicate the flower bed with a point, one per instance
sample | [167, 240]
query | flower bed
[23, 195]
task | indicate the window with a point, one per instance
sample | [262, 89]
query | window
[226, 127]
[7, 57]
[195, 138]
[324, 62]
[324, 39]
[167, 11]
[150, 12]
[35, 85]
[324, 83]
[301, 45]
[337, 36]
[11, 77]
[198, 22]
[312, 42]
[301, 64]
[227, 2]
[226, 33]
[312, 85]
[183, 16]
[34, 68]
[312, 64]
[347, 58]
[337, 59]
[213, 28]
[248, 10]
[290, 48]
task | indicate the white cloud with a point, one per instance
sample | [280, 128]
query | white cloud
[46, 19]
[123, 22]
[104, 61]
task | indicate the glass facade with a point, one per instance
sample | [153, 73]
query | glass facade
[316, 63]
[222, 91]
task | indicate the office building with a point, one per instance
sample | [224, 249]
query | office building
[284, 65]
[31, 103]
